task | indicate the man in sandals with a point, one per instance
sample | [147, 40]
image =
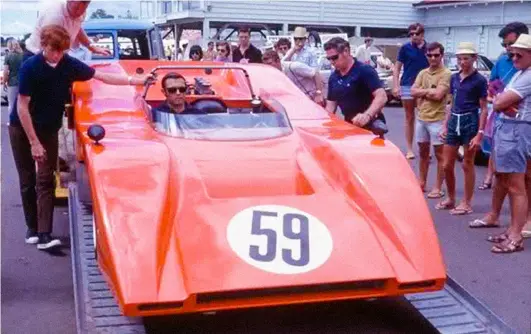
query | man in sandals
[464, 126]
[512, 146]
[431, 89]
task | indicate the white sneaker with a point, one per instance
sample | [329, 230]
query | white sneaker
[46, 241]
[31, 237]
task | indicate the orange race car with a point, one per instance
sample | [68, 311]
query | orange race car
[264, 200]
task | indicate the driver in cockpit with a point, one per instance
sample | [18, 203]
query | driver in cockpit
[174, 89]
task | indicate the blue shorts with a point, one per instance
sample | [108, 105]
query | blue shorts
[405, 93]
[462, 128]
[512, 146]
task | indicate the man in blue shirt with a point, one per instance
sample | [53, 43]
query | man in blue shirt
[463, 126]
[45, 81]
[353, 86]
[412, 56]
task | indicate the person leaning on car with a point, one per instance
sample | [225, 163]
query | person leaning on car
[45, 80]
[69, 15]
[353, 86]
[308, 79]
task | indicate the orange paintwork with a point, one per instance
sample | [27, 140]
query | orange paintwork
[162, 204]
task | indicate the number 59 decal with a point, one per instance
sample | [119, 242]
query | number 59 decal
[279, 239]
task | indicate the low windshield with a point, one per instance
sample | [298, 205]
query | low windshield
[226, 126]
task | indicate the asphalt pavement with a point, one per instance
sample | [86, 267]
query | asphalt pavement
[37, 289]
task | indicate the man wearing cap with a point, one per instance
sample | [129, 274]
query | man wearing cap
[512, 146]
[69, 15]
[300, 51]
[464, 126]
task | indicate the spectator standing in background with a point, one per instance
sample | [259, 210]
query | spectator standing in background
[282, 47]
[210, 53]
[300, 51]
[464, 126]
[223, 52]
[501, 74]
[246, 52]
[12, 63]
[431, 88]
[412, 56]
[363, 53]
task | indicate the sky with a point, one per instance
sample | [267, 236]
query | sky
[18, 17]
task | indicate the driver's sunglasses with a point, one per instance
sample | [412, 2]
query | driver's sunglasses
[173, 90]
[333, 58]
[433, 55]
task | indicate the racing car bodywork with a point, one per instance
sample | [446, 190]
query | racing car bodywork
[268, 201]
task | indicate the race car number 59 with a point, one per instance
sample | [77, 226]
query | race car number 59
[279, 239]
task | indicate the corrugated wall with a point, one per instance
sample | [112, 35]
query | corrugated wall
[382, 14]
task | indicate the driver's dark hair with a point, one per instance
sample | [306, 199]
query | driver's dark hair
[171, 75]
[517, 27]
[337, 43]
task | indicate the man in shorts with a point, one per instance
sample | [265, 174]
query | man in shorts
[431, 88]
[412, 56]
[464, 126]
[512, 146]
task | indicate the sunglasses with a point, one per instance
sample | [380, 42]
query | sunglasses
[222, 50]
[418, 33]
[333, 58]
[173, 90]
[300, 38]
[433, 55]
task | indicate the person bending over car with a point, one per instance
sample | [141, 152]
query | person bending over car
[45, 80]
[308, 79]
[353, 86]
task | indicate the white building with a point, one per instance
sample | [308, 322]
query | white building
[357, 18]
[448, 22]
[451, 22]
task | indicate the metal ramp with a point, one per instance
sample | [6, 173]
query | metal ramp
[451, 311]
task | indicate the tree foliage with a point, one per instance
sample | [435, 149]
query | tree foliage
[101, 14]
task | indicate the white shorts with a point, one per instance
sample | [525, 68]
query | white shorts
[428, 132]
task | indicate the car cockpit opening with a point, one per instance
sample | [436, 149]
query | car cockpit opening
[221, 105]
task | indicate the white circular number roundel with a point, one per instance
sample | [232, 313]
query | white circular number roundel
[279, 239]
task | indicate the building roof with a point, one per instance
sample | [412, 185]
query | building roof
[121, 24]
[439, 2]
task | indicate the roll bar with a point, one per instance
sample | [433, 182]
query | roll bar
[254, 98]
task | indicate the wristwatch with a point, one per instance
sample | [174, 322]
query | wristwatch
[481, 131]
[318, 92]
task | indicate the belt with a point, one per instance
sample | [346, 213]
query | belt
[458, 127]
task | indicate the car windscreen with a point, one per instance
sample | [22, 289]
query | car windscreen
[223, 126]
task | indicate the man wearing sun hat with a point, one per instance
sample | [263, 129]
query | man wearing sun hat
[512, 146]
[300, 51]
[464, 126]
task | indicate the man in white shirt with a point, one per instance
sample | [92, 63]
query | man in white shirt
[68, 14]
[363, 54]
[308, 79]
[301, 52]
